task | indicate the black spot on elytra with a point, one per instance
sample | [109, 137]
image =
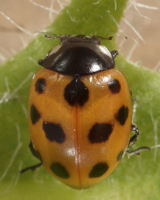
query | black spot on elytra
[40, 85]
[34, 114]
[100, 132]
[98, 170]
[76, 92]
[114, 86]
[122, 115]
[120, 155]
[59, 170]
[54, 132]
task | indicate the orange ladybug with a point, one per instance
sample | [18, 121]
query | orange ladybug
[80, 112]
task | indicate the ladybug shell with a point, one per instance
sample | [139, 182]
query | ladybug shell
[80, 126]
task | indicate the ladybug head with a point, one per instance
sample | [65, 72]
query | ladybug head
[79, 55]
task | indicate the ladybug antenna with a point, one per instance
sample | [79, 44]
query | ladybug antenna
[51, 35]
[55, 36]
[44, 32]
[103, 38]
[48, 35]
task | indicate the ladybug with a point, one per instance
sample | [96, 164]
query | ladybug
[80, 112]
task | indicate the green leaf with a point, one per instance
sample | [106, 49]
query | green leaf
[135, 178]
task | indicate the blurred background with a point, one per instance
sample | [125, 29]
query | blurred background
[137, 39]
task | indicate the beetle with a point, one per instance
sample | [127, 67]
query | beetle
[80, 112]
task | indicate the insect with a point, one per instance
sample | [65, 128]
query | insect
[80, 114]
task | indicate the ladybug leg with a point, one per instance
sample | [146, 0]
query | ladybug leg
[133, 139]
[137, 151]
[33, 151]
[35, 154]
[133, 99]
[32, 168]
[41, 61]
[114, 53]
